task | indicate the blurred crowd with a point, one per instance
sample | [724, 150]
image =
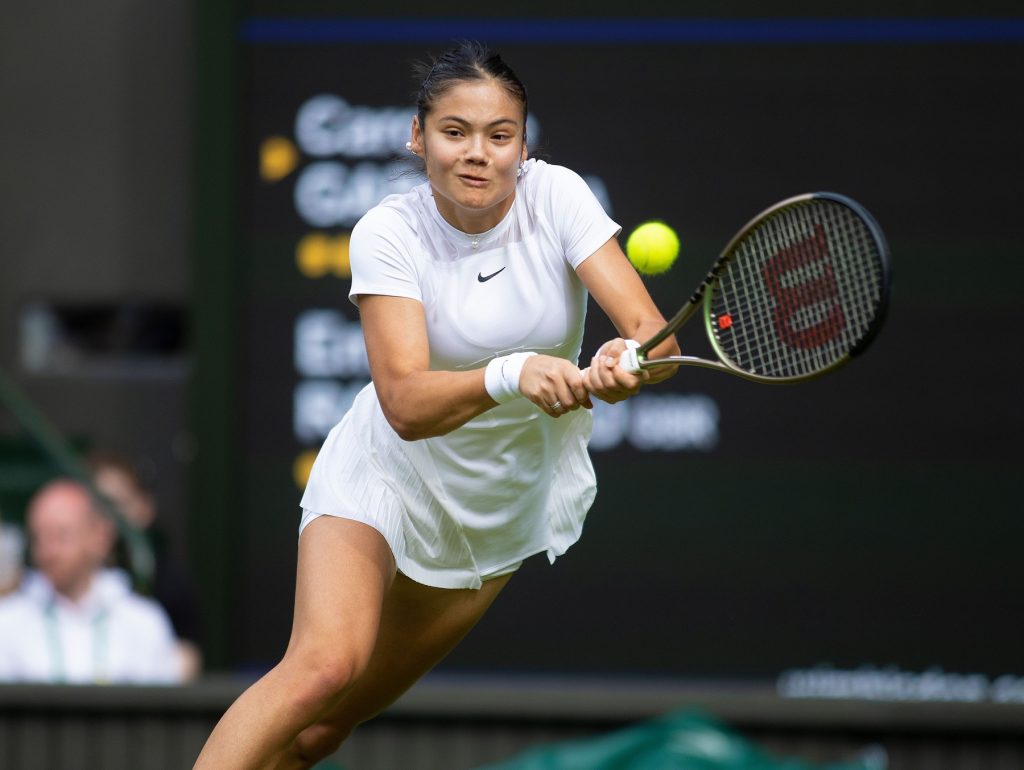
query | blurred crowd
[69, 612]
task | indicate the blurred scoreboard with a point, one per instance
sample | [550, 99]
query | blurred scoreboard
[869, 519]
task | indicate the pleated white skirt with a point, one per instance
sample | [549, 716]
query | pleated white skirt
[460, 508]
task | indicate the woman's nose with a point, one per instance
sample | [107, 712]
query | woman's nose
[477, 150]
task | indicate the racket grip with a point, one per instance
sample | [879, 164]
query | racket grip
[629, 360]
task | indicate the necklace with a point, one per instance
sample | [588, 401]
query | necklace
[487, 236]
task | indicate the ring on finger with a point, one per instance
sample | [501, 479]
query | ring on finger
[555, 407]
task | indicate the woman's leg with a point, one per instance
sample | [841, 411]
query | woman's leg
[419, 626]
[345, 569]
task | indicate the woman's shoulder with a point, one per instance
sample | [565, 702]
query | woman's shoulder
[395, 213]
[550, 178]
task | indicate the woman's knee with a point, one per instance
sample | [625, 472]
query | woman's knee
[320, 678]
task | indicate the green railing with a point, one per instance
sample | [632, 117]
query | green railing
[66, 461]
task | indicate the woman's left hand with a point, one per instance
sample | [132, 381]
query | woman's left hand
[608, 381]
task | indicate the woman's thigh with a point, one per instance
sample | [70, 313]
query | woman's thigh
[419, 626]
[345, 571]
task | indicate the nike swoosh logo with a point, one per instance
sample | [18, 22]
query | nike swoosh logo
[481, 277]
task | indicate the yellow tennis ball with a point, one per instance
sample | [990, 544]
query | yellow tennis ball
[652, 247]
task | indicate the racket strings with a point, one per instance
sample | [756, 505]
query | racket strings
[823, 300]
[798, 320]
[800, 290]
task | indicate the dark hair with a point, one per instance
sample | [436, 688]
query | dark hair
[469, 60]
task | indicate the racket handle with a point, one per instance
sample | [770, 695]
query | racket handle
[629, 360]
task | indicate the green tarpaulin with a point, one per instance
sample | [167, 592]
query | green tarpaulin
[683, 741]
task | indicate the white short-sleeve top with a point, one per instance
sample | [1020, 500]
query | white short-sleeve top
[513, 481]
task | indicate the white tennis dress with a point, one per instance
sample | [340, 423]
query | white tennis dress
[513, 482]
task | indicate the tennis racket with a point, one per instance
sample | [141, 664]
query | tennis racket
[797, 293]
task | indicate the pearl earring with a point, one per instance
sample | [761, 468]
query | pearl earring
[408, 146]
[519, 171]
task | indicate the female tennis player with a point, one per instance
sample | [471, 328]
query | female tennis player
[468, 451]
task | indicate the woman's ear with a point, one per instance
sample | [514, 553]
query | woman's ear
[415, 144]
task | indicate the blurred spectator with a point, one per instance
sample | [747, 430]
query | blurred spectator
[73, 621]
[119, 479]
[12, 557]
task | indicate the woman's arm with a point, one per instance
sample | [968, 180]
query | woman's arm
[417, 402]
[617, 288]
[420, 403]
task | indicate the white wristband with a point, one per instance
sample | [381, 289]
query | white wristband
[501, 377]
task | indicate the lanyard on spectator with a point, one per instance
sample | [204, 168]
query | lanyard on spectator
[100, 646]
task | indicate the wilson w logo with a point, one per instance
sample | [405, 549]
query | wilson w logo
[800, 277]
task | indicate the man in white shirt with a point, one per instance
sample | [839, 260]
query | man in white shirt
[72, 621]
